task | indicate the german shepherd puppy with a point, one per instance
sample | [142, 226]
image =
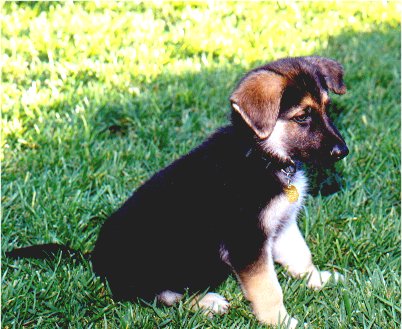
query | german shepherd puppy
[231, 204]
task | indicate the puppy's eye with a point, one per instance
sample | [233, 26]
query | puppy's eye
[304, 117]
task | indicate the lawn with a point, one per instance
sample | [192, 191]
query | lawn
[97, 96]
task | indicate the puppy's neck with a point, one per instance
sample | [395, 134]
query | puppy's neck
[268, 152]
[256, 152]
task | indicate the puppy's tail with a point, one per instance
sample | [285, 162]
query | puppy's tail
[47, 251]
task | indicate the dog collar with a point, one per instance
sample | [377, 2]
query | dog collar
[291, 192]
[289, 169]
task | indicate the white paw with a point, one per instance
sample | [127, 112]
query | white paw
[169, 297]
[213, 303]
[291, 323]
[318, 279]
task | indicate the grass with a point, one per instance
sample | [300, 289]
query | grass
[99, 95]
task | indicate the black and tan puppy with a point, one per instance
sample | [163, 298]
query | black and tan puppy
[231, 204]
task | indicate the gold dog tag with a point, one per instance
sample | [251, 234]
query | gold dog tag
[291, 193]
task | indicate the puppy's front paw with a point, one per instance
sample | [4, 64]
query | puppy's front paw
[291, 323]
[318, 279]
[280, 320]
[213, 303]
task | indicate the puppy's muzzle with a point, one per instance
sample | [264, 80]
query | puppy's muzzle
[339, 149]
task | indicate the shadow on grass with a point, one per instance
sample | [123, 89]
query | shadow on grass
[353, 50]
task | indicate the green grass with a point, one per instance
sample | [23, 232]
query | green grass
[97, 96]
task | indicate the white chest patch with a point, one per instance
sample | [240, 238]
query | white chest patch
[279, 210]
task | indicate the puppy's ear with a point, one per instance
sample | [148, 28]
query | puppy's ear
[332, 72]
[257, 99]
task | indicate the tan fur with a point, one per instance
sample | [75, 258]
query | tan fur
[324, 99]
[257, 100]
[261, 287]
[308, 101]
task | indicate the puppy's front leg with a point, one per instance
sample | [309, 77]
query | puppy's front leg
[291, 251]
[261, 287]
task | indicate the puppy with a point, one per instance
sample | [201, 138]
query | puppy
[231, 204]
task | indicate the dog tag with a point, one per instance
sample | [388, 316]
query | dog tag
[291, 193]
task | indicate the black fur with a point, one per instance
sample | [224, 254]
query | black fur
[45, 251]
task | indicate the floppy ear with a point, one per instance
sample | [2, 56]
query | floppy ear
[332, 72]
[257, 99]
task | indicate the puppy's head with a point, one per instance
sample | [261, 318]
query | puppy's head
[285, 104]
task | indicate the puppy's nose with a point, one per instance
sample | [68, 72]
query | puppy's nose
[339, 151]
